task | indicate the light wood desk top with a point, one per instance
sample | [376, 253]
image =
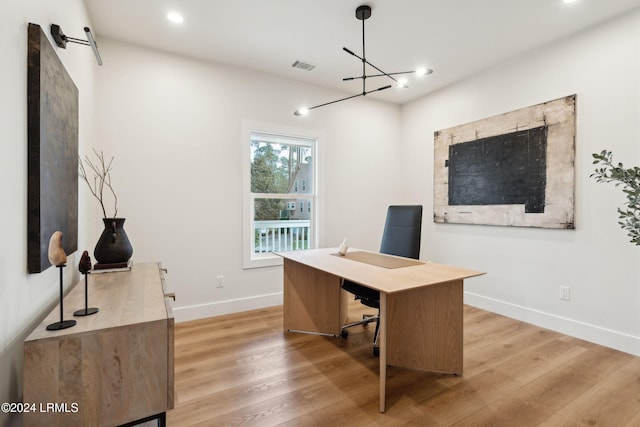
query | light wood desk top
[387, 280]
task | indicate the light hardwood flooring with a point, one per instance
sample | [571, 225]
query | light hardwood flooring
[242, 369]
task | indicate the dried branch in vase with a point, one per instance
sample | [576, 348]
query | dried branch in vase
[101, 179]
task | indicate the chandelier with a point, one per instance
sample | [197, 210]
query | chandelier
[363, 13]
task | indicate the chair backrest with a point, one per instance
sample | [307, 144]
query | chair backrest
[402, 230]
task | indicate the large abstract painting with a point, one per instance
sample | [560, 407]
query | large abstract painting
[52, 104]
[515, 169]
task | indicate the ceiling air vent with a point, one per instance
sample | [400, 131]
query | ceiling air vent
[303, 65]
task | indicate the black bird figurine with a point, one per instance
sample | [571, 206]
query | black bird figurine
[85, 267]
[85, 263]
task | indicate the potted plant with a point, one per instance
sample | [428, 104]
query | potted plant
[113, 248]
[629, 179]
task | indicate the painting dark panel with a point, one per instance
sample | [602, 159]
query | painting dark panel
[52, 102]
[506, 169]
[515, 169]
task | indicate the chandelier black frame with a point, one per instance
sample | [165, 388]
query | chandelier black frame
[363, 13]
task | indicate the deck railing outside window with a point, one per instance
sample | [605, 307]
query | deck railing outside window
[286, 235]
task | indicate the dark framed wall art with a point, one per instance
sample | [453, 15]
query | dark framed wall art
[52, 110]
[515, 169]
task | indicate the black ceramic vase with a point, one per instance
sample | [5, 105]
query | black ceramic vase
[114, 246]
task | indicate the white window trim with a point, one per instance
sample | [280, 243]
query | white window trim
[249, 258]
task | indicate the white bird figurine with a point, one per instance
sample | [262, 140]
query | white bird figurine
[342, 250]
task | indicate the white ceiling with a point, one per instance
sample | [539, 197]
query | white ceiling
[456, 38]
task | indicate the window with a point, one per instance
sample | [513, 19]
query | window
[275, 218]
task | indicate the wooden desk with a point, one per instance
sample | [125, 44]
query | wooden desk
[112, 367]
[420, 307]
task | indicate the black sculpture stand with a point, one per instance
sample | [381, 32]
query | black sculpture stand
[62, 324]
[86, 311]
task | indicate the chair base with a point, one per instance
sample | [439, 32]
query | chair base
[366, 319]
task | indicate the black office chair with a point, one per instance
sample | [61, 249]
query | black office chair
[401, 237]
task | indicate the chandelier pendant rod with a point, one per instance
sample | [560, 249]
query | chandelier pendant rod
[364, 61]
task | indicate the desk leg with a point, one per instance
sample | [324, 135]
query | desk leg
[424, 328]
[421, 329]
[314, 301]
[382, 344]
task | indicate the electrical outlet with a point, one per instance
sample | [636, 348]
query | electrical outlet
[219, 281]
[565, 293]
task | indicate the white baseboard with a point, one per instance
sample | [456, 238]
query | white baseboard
[606, 337]
[201, 311]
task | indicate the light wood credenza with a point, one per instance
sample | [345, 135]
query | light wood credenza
[112, 368]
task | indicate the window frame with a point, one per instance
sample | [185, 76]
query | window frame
[282, 135]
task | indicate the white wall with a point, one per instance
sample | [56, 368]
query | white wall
[526, 267]
[27, 298]
[175, 127]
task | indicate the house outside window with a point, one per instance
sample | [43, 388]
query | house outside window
[275, 218]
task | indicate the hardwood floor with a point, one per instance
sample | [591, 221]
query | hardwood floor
[241, 369]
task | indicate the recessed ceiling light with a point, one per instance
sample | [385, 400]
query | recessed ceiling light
[568, 1]
[175, 17]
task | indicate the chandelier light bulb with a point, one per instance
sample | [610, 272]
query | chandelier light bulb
[402, 83]
[301, 112]
[423, 71]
